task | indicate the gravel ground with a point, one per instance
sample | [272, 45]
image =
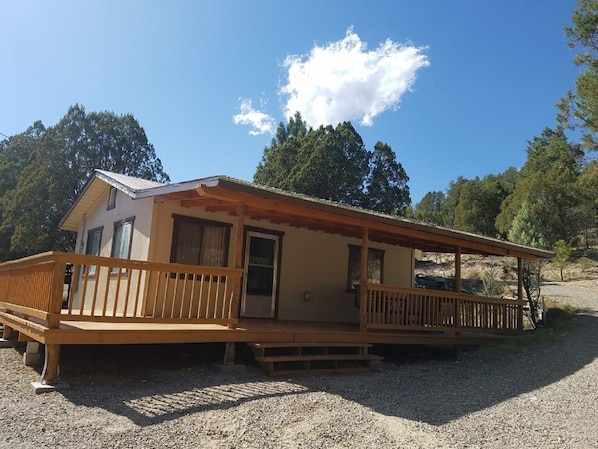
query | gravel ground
[541, 398]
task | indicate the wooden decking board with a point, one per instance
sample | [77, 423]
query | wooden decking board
[248, 331]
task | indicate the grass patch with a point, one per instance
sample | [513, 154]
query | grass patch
[559, 322]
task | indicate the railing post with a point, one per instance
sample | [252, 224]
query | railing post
[57, 288]
[458, 315]
[519, 317]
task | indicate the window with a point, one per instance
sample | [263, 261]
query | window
[92, 247]
[199, 242]
[111, 199]
[375, 266]
[121, 241]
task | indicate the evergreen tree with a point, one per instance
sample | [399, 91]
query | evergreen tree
[62, 159]
[333, 164]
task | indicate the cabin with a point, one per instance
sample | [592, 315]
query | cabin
[308, 284]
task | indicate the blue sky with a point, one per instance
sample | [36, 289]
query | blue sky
[456, 88]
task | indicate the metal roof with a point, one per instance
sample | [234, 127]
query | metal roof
[95, 187]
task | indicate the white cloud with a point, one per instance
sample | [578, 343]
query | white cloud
[344, 81]
[260, 122]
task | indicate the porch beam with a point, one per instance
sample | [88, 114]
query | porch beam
[406, 230]
[363, 278]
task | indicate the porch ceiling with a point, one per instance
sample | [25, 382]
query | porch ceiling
[227, 195]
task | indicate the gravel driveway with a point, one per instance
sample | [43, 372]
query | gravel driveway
[541, 398]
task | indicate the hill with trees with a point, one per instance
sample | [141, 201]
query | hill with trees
[556, 190]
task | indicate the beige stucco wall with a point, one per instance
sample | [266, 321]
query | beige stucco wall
[310, 261]
[125, 207]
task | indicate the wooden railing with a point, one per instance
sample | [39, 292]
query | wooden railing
[61, 286]
[396, 308]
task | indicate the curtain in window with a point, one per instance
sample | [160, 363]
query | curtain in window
[188, 242]
[213, 246]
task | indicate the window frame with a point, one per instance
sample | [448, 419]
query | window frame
[91, 270]
[120, 225]
[354, 262]
[111, 198]
[177, 218]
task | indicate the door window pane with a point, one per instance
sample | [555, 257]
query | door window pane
[260, 280]
[261, 251]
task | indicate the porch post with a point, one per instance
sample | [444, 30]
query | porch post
[520, 294]
[363, 279]
[519, 278]
[458, 270]
[457, 288]
[230, 349]
[238, 259]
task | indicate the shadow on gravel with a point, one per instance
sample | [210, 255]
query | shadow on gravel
[440, 391]
[157, 383]
[151, 384]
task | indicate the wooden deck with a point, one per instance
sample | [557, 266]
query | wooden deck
[115, 301]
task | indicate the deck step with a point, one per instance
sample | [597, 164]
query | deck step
[283, 359]
[316, 357]
[294, 344]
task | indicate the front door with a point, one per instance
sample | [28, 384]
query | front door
[259, 285]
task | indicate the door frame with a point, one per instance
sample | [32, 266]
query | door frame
[265, 233]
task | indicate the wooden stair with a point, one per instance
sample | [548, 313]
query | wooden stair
[284, 359]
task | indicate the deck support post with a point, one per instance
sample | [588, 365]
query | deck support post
[50, 372]
[363, 279]
[230, 352]
[7, 332]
